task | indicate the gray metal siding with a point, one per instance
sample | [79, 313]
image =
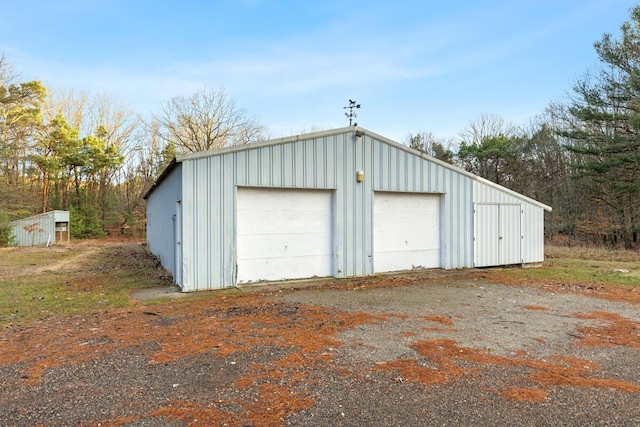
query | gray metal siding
[161, 208]
[209, 201]
[326, 162]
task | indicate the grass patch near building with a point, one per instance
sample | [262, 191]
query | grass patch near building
[609, 273]
[39, 282]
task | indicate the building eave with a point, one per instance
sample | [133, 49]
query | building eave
[161, 178]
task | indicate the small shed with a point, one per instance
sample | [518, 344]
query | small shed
[48, 228]
[339, 203]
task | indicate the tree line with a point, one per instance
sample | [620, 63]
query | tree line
[581, 155]
[97, 158]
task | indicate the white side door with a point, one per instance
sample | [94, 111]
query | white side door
[497, 234]
[177, 224]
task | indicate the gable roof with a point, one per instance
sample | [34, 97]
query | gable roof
[359, 131]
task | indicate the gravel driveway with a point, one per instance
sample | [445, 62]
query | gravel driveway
[420, 349]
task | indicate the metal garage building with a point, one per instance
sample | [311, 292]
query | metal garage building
[44, 229]
[340, 203]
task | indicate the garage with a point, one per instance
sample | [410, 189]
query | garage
[284, 234]
[337, 203]
[406, 231]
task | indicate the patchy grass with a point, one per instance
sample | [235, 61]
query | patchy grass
[585, 271]
[37, 283]
[20, 261]
[591, 253]
[606, 273]
[596, 266]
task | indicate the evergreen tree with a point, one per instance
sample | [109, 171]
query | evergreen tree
[602, 126]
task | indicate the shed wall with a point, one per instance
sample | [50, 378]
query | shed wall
[161, 209]
[324, 162]
[39, 229]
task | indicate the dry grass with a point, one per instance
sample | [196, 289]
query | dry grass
[593, 253]
[602, 272]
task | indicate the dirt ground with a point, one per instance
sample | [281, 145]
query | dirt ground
[429, 348]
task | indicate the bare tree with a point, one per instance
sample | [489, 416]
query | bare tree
[490, 148]
[487, 126]
[430, 145]
[7, 72]
[70, 104]
[206, 120]
[88, 113]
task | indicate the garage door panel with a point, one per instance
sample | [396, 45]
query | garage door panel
[284, 234]
[286, 245]
[297, 267]
[402, 225]
[254, 222]
[264, 196]
[406, 231]
[408, 259]
[392, 202]
[395, 239]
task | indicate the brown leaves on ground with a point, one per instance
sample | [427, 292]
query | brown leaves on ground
[523, 394]
[453, 362]
[447, 359]
[231, 325]
[615, 330]
[306, 339]
[225, 326]
[535, 307]
[447, 321]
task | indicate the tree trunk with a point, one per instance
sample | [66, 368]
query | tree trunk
[45, 192]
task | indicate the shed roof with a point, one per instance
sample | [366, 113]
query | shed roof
[59, 215]
[354, 129]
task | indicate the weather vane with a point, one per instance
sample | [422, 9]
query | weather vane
[351, 114]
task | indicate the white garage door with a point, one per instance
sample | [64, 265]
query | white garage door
[406, 231]
[284, 234]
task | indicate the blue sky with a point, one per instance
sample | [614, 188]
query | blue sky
[413, 65]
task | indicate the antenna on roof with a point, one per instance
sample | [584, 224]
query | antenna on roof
[351, 114]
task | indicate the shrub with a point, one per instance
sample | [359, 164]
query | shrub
[6, 234]
[85, 223]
